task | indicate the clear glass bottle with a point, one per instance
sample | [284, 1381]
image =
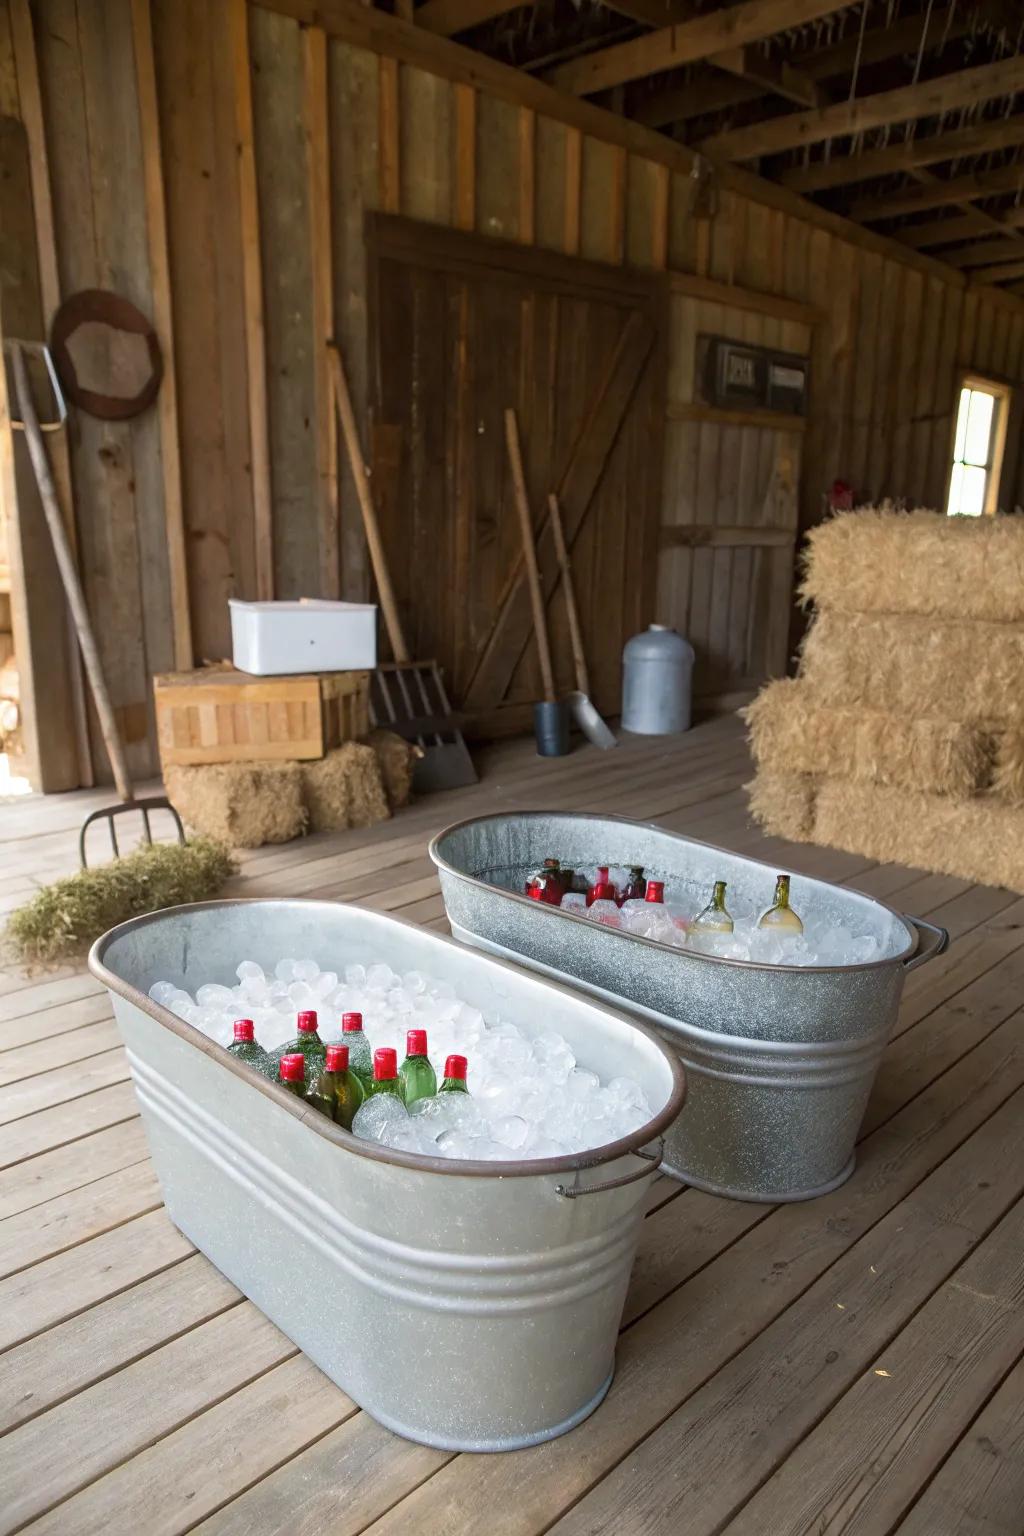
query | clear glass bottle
[307, 1042]
[417, 1077]
[385, 1073]
[292, 1073]
[780, 916]
[360, 1056]
[244, 1046]
[348, 1090]
[715, 917]
[454, 1081]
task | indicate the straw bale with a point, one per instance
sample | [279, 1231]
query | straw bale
[345, 789]
[980, 839]
[1008, 779]
[397, 759]
[784, 804]
[792, 731]
[917, 667]
[241, 804]
[879, 561]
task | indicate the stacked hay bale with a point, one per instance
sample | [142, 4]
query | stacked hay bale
[902, 738]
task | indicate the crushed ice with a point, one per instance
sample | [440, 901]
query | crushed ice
[527, 1097]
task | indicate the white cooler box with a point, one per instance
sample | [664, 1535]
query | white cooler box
[273, 639]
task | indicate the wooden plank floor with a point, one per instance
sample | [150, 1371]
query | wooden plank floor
[849, 1365]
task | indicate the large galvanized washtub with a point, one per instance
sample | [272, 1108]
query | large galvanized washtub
[467, 1305]
[780, 1059]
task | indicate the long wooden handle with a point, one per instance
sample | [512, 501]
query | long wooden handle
[540, 623]
[361, 476]
[579, 655]
[69, 575]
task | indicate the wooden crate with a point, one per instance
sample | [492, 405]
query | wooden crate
[218, 715]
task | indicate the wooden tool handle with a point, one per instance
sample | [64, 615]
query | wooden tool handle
[69, 575]
[572, 612]
[540, 624]
[361, 476]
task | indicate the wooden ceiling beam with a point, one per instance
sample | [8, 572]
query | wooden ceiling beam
[732, 27]
[771, 75]
[929, 98]
[446, 17]
[678, 103]
[984, 252]
[1006, 272]
[980, 139]
[921, 237]
[938, 194]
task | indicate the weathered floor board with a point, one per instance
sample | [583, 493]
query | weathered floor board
[852, 1365]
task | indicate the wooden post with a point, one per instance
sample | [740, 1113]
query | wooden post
[573, 172]
[465, 157]
[318, 172]
[388, 110]
[540, 624]
[163, 323]
[527, 174]
[252, 297]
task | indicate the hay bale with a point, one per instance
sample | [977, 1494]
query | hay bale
[879, 561]
[397, 759]
[345, 789]
[917, 667]
[980, 839]
[791, 731]
[784, 804]
[63, 919]
[241, 804]
[1008, 776]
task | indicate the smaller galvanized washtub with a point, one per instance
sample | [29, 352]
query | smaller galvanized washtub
[470, 1306]
[780, 1060]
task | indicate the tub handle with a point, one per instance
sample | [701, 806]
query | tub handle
[652, 1160]
[935, 942]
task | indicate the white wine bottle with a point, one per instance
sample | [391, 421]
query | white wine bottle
[780, 917]
[715, 917]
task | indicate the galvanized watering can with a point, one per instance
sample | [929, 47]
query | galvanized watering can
[467, 1305]
[780, 1060]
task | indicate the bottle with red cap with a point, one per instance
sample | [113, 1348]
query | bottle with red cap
[417, 1077]
[348, 1090]
[545, 884]
[292, 1073]
[635, 888]
[246, 1049]
[454, 1075]
[307, 1042]
[360, 1056]
[602, 888]
[385, 1073]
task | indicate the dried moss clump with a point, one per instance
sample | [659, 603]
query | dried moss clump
[63, 919]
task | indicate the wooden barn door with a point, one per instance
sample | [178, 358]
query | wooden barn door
[730, 514]
[463, 327]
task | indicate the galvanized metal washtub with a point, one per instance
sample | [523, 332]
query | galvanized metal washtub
[780, 1059]
[466, 1305]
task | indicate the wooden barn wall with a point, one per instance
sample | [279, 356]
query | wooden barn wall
[260, 143]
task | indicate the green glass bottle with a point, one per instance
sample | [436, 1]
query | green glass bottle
[455, 1069]
[780, 916]
[292, 1074]
[244, 1046]
[348, 1090]
[715, 917]
[385, 1073]
[360, 1056]
[307, 1042]
[320, 1085]
[416, 1076]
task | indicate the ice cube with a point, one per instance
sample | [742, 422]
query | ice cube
[355, 975]
[372, 1116]
[166, 994]
[214, 996]
[301, 996]
[412, 981]
[379, 978]
[580, 1083]
[284, 970]
[511, 1131]
[554, 1056]
[605, 912]
[250, 971]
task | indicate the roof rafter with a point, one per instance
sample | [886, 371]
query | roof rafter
[1000, 133]
[947, 231]
[1007, 272]
[929, 98]
[936, 194]
[749, 22]
[984, 253]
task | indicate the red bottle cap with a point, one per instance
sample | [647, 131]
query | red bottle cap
[385, 1064]
[655, 890]
[293, 1068]
[604, 891]
[307, 1021]
[536, 892]
[350, 1021]
[337, 1058]
[244, 1029]
[456, 1066]
[416, 1042]
[602, 875]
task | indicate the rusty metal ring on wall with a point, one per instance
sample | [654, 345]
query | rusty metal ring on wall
[97, 305]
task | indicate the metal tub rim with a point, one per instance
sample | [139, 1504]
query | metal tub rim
[574, 1162]
[907, 956]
